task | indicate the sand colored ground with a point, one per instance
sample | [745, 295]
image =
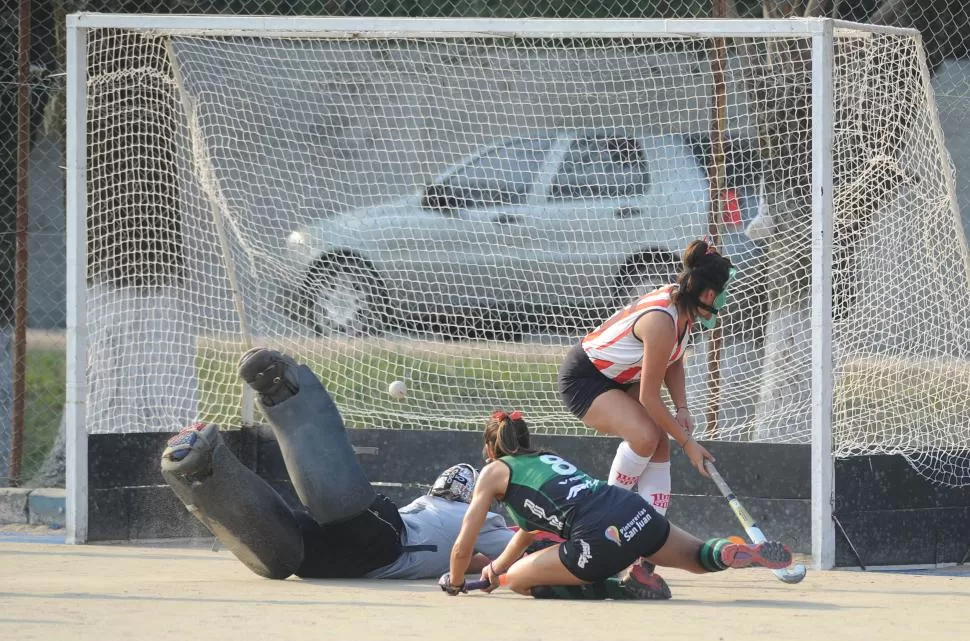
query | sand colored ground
[105, 593]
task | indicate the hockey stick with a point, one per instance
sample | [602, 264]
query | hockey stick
[478, 584]
[791, 574]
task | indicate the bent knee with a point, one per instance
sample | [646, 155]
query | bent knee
[517, 581]
[644, 444]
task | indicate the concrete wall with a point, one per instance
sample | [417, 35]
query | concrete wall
[887, 513]
[128, 498]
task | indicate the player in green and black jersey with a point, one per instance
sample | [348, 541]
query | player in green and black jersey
[606, 528]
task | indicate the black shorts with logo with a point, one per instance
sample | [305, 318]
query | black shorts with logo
[612, 529]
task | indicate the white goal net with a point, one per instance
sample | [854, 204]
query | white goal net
[454, 210]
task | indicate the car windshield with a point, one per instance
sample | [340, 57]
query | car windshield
[602, 167]
[502, 175]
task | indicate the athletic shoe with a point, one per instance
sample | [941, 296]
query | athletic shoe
[271, 374]
[647, 565]
[188, 454]
[770, 554]
[641, 582]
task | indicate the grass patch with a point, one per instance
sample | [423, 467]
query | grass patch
[44, 404]
[903, 403]
[880, 403]
[447, 388]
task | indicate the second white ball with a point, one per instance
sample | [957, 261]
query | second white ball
[397, 390]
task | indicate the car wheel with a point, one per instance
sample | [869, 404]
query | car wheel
[641, 277]
[344, 295]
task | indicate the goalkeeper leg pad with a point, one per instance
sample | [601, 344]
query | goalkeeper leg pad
[241, 509]
[319, 457]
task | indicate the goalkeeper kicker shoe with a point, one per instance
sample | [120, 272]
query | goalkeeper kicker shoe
[188, 454]
[271, 374]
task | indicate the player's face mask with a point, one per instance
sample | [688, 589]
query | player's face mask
[457, 483]
[719, 302]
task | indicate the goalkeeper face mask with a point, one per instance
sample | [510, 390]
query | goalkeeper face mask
[719, 302]
[457, 483]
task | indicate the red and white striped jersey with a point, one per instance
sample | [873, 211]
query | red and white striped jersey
[613, 348]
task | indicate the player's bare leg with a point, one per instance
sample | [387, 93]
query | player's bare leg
[543, 576]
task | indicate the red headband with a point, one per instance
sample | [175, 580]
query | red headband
[500, 415]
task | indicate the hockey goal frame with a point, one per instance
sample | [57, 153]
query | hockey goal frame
[820, 31]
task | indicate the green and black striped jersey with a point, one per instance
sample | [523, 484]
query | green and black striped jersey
[544, 490]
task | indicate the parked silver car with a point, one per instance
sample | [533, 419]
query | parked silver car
[569, 223]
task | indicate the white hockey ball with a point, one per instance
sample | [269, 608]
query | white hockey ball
[397, 390]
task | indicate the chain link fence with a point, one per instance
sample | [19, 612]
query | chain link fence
[32, 377]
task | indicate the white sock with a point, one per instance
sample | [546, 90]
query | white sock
[655, 485]
[627, 467]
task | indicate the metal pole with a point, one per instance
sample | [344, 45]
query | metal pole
[75, 397]
[20, 268]
[823, 465]
[715, 212]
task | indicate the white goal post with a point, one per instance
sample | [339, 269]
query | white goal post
[452, 202]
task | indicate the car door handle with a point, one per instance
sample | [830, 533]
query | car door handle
[627, 212]
[507, 219]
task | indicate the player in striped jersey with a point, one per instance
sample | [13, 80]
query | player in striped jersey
[604, 529]
[612, 379]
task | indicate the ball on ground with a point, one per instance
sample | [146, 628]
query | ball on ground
[397, 390]
[736, 539]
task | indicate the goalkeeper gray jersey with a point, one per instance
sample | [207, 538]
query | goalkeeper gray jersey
[434, 522]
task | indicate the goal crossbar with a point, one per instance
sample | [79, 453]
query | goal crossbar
[354, 27]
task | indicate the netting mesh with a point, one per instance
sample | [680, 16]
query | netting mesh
[456, 213]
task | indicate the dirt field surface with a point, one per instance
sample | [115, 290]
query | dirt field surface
[50, 591]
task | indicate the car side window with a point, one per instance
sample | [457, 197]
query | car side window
[602, 167]
[504, 175]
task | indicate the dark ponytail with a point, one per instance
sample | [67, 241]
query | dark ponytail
[507, 435]
[704, 268]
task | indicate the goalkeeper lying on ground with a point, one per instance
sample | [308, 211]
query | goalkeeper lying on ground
[344, 529]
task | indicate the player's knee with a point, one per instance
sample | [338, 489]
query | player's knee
[517, 581]
[644, 443]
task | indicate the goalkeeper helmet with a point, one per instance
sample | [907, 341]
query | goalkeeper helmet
[456, 483]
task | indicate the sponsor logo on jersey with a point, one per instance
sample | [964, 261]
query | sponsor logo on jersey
[576, 489]
[634, 525]
[585, 554]
[613, 534]
[538, 510]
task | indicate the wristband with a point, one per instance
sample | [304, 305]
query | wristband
[448, 587]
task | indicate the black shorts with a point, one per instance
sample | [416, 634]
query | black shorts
[352, 548]
[580, 382]
[612, 529]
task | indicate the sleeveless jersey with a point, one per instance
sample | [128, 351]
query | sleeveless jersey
[544, 490]
[616, 352]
